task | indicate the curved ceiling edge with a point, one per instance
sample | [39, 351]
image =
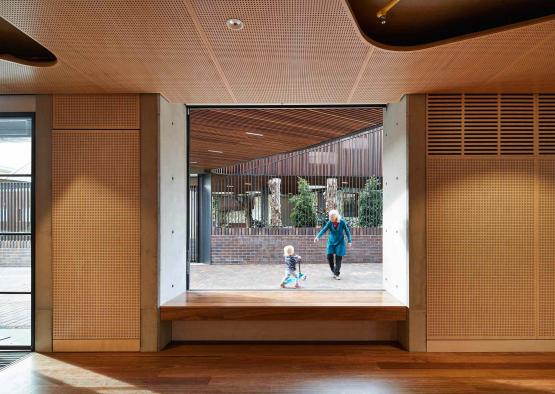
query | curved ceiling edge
[18, 47]
[416, 41]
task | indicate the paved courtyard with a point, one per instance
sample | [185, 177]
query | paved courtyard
[15, 309]
[354, 276]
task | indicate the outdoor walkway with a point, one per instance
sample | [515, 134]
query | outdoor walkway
[354, 276]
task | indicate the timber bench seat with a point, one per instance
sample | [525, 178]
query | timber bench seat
[284, 305]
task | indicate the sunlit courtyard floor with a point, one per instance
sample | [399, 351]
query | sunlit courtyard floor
[354, 276]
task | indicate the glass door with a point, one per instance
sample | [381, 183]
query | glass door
[16, 231]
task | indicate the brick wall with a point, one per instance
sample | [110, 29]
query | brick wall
[268, 249]
[15, 257]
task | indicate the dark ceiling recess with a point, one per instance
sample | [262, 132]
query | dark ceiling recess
[415, 24]
[17, 47]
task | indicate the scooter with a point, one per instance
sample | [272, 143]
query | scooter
[300, 276]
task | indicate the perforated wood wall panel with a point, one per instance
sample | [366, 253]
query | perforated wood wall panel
[480, 248]
[95, 231]
[290, 51]
[491, 216]
[546, 269]
[96, 112]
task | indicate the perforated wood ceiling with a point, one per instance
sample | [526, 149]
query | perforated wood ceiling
[219, 136]
[289, 52]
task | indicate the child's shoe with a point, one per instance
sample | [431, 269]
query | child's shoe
[336, 277]
[282, 285]
[297, 286]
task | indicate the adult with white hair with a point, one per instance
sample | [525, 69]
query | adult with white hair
[336, 241]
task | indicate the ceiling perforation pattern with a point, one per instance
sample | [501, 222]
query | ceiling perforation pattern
[289, 52]
[287, 49]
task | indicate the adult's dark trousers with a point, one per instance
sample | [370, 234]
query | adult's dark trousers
[335, 267]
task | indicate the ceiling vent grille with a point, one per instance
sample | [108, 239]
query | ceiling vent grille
[546, 124]
[491, 124]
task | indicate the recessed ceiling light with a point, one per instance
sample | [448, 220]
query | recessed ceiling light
[256, 134]
[234, 24]
[193, 162]
[215, 151]
[230, 186]
[248, 184]
[345, 183]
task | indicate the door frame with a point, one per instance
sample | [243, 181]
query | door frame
[30, 115]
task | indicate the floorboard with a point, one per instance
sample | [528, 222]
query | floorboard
[282, 368]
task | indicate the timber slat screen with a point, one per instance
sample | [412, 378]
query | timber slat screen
[15, 213]
[240, 193]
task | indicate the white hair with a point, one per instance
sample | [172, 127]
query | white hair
[334, 212]
[288, 250]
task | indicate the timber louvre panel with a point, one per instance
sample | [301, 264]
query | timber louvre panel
[546, 124]
[491, 124]
[516, 124]
[444, 120]
[481, 114]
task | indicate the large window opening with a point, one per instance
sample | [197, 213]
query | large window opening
[16, 231]
[264, 178]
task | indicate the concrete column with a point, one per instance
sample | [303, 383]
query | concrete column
[204, 218]
[172, 197]
[404, 219]
[163, 221]
[150, 317]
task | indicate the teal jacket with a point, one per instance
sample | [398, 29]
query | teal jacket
[336, 239]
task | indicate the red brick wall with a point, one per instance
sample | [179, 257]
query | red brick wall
[268, 249]
[15, 257]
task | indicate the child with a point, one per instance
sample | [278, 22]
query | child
[291, 261]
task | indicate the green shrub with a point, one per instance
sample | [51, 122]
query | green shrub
[303, 213]
[370, 209]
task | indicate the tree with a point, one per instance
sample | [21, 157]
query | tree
[370, 208]
[303, 213]
[331, 194]
[275, 202]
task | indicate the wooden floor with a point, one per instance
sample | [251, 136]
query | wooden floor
[264, 368]
[284, 305]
